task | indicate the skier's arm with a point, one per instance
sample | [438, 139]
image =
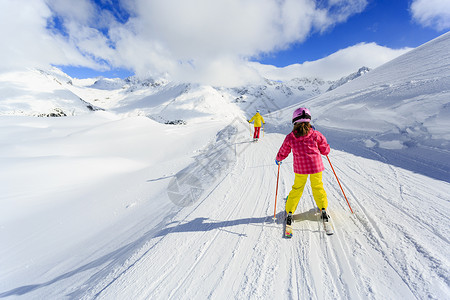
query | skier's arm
[322, 144]
[285, 149]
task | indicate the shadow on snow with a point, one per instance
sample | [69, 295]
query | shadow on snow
[119, 257]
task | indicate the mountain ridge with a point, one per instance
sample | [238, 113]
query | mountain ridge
[106, 93]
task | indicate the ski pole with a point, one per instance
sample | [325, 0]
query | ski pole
[339, 184]
[276, 195]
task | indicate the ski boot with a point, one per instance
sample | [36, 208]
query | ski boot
[289, 219]
[328, 227]
[324, 216]
[288, 232]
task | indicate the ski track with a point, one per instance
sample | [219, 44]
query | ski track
[394, 256]
[228, 246]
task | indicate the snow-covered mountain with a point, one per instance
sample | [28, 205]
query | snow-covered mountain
[62, 92]
[349, 78]
[38, 93]
[120, 203]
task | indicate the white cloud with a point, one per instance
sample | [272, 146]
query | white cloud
[196, 37]
[84, 12]
[26, 40]
[336, 65]
[432, 13]
[188, 40]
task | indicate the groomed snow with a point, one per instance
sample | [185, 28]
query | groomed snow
[116, 204]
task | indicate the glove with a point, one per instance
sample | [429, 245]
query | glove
[278, 162]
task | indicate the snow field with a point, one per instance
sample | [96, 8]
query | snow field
[117, 204]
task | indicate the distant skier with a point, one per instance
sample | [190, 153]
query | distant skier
[306, 144]
[259, 120]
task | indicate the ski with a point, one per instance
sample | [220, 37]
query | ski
[328, 228]
[288, 231]
[327, 225]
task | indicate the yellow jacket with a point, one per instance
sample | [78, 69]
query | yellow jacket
[258, 119]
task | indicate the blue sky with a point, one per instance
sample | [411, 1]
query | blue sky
[385, 22]
[214, 42]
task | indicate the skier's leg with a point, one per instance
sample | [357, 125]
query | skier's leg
[319, 194]
[257, 130]
[296, 192]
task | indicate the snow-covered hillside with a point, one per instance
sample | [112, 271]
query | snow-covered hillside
[398, 113]
[37, 93]
[43, 92]
[162, 194]
[349, 78]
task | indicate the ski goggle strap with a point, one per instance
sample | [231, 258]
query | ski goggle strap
[304, 115]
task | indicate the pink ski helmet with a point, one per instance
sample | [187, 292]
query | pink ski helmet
[300, 115]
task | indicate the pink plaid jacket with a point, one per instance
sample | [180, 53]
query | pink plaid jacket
[306, 150]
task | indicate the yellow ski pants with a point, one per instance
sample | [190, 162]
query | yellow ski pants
[319, 194]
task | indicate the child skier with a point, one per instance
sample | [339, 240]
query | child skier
[258, 119]
[306, 145]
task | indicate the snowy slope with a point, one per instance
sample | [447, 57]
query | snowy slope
[71, 186]
[398, 113]
[117, 204]
[36, 93]
[227, 246]
[116, 233]
[344, 80]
